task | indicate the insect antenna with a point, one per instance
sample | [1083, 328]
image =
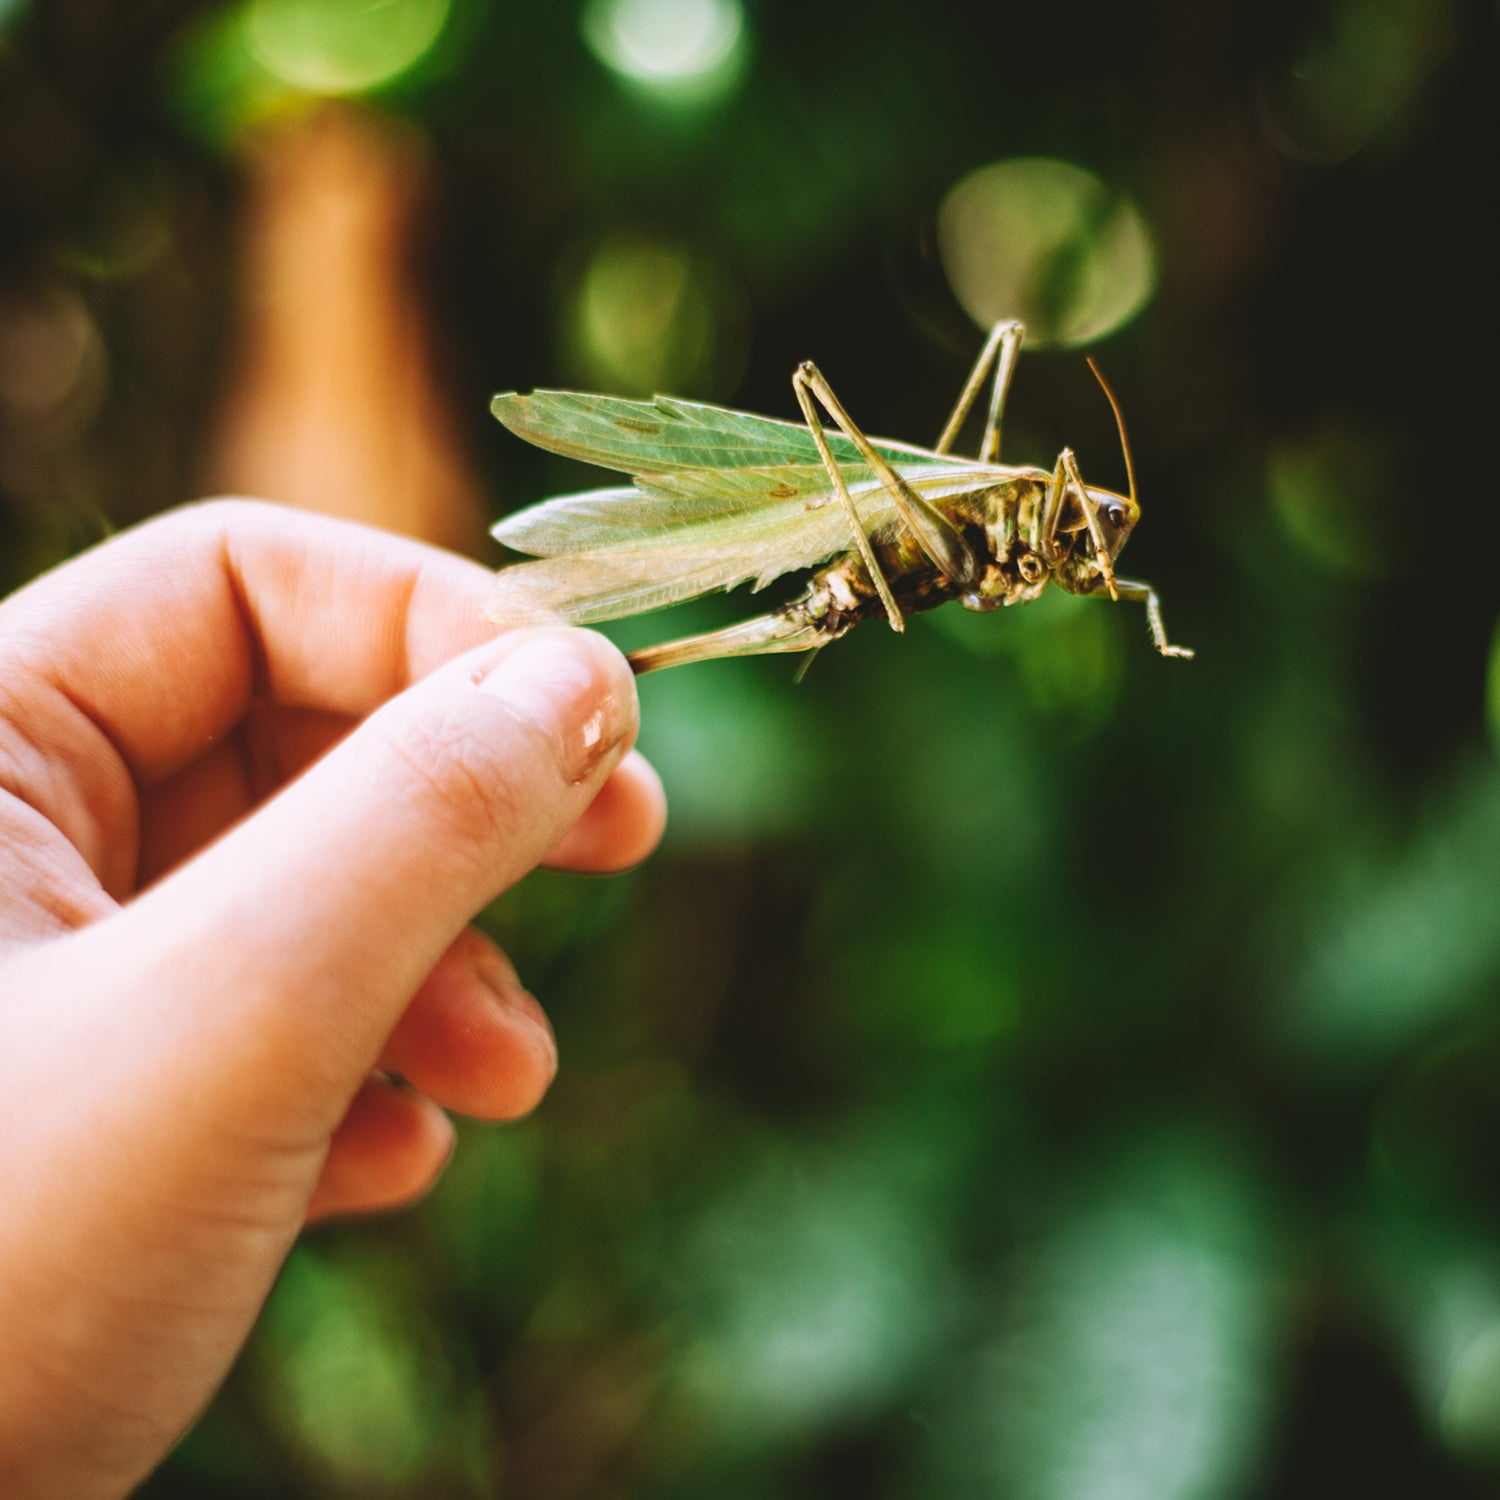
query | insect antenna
[1114, 406]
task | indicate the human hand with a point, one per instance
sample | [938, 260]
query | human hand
[207, 967]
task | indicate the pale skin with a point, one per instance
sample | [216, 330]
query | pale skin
[211, 965]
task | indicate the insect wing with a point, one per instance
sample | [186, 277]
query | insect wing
[721, 498]
[613, 552]
[608, 553]
[584, 587]
[659, 507]
[665, 435]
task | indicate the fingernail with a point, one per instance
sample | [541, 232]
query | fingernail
[554, 682]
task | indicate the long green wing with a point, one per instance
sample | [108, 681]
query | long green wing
[637, 566]
[692, 463]
[658, 505]
[720, 498]
[665, 435]
[584, 587]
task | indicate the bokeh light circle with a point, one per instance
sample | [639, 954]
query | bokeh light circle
[650, 314]
[1049, 243]
[664, 41]
[343, 46]
[53, 364]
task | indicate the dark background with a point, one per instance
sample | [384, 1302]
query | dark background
[1031, 1067]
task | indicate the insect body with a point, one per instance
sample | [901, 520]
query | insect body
[722, 498]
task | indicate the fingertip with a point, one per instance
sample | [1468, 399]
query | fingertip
[572, 685]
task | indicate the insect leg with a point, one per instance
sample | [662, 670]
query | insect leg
[1067, 462]
[1045, 517]
[781, 631]
[1133, 589]
[936, 535]
[861, 536]
[1004, 341]
[1067, 480]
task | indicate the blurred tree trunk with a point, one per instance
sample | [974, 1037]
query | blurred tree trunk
[332, 401]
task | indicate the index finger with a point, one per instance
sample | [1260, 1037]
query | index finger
[164, 634]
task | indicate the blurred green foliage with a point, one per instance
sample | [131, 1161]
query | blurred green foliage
[1031, 1068]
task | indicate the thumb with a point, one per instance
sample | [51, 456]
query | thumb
[309, 928]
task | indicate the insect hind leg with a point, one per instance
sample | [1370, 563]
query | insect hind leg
[1001, 350]
[802, 386]
[785, 630]
[942, 543]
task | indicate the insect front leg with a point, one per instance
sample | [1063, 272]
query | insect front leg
[1091, 515]
[1133, 589]
[1005, 342]
[940, 540]
[1065, 480]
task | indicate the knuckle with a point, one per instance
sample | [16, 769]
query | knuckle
[222, 513]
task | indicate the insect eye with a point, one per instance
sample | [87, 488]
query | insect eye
[1115, 515]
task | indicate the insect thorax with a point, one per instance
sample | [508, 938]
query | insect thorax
[996, 521]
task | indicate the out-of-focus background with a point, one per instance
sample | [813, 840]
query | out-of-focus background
[1031, 1068]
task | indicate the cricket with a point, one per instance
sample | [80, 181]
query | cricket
[722, 497]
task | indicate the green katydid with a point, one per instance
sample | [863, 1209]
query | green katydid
[722, 497]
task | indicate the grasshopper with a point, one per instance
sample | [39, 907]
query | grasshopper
[722, 497]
